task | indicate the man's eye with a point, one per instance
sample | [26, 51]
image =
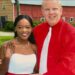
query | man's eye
[55, 9]
[47, 9]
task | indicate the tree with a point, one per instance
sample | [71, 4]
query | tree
[17, 7]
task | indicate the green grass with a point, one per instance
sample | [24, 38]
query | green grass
[5, 38]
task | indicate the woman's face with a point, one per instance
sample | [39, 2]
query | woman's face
[23, 29]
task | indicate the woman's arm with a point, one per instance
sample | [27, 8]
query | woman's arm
[0, 61]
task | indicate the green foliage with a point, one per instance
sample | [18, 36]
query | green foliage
[5, 38]
[9, 26]
[35, 23]
[72, 23]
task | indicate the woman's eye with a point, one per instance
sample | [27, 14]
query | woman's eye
[20, 27]
[27, 27]
[24, 27]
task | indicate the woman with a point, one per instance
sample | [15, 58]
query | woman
[21, 51]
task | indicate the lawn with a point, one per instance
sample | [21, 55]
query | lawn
[5, 38]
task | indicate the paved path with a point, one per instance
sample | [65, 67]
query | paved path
[6, 33]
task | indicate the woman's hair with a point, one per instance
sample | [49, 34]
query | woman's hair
[20, 17]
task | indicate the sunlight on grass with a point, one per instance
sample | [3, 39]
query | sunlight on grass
[5, 38]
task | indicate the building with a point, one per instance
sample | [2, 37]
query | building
[6, 9]
[33, 9]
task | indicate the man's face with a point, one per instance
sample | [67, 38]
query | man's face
[52, 11]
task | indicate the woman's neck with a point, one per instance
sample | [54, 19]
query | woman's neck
[21, 41]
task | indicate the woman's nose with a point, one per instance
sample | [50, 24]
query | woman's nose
[24, 29]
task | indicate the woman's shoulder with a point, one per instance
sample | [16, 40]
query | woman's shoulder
[7, 43]
[6, 48]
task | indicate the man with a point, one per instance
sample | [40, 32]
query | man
[60, 51]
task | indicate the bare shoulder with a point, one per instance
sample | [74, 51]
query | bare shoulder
[6, 46]
[6, 43]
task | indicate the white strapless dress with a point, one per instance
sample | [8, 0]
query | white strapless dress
[22, 64]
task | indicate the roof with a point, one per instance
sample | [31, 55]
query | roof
[68, 2]
[38, 2]
[32, 2]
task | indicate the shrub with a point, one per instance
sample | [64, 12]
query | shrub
[9, 26]
[35, 23]
[72, 23]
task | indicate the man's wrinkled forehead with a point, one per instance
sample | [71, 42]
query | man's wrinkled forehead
[48, 1]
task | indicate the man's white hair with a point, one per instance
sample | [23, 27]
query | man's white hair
[57, 1]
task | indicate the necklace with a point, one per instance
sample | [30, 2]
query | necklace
[26, 46]
[22, 45]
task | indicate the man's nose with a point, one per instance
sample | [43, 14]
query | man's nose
[51, 11]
